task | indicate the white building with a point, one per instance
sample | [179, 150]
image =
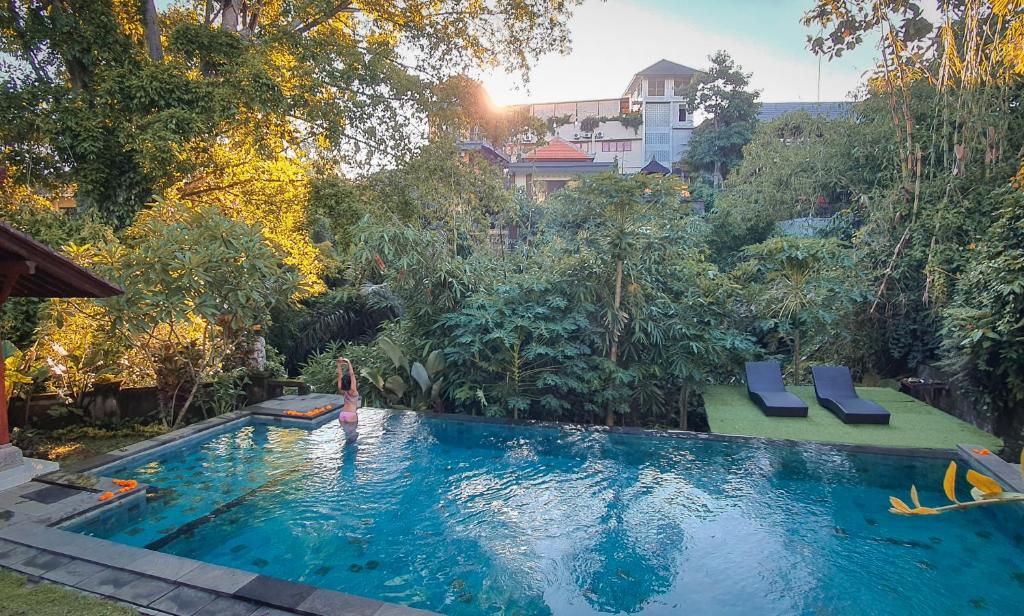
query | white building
[649, 121]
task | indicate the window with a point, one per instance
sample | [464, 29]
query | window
[679, 85]
[682, 114]
[656, 87]
[616, 146]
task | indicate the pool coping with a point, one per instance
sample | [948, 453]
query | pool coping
[29, 542]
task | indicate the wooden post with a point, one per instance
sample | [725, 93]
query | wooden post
[5, 435]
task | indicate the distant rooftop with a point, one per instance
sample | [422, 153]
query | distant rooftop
[655, 168]
[486, 149]
[667, 68]
[832, 110]
[559, 150]
[661, 68]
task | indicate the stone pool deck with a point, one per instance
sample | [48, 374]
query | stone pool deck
[32, 544]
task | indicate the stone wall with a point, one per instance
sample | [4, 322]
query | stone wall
[109, 404]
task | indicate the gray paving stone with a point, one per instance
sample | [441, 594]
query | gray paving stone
[329, 603]
[107, 581]
[219, 579]
[49, 495]
[75, 480]
[14, 554]
[134, 448]
[271, 611]
[226, 606]
[144, 590]
[53, 539]
[10, 517]
[166, 566]
[183, 601]
[24, 533]
[41, 563]
[73, 572]
[275, 592]
[110, 554]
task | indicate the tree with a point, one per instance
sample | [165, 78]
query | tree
[803, 288]
[984, 325]
[444, 190]
[721, 93]
[122, 100]
[195, 283]
[792, 166]
[636, 256]
[520, 345]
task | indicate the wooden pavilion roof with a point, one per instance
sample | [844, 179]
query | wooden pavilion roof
[38, 271]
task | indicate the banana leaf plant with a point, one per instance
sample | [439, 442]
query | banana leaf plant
[416, 385]
[24, 375]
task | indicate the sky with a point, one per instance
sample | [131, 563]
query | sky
[614, 39]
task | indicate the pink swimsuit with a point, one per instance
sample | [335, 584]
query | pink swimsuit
[348, 410]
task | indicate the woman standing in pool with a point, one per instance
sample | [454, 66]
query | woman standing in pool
[347, 387]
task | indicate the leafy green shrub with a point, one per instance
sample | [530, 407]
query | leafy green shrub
[320, 370]
[195, 282]
[984, 326]
[803, 290]
[519, 347]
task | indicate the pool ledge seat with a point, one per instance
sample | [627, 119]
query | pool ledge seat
[768, 392]
[833, 387]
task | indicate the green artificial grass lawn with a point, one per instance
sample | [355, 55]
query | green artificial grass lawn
[18, 598]
[913, 423]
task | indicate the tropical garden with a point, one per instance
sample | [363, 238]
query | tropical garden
[274, 184]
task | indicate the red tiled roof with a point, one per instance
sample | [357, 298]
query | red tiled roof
[559, 150]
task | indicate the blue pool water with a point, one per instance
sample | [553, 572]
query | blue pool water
[467, 518]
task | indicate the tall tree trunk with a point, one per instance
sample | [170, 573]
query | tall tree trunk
[716, 179]
[180, 419]
[613, 355]
[684, 407]
[151, 27]
[78, 74]
[229, 15]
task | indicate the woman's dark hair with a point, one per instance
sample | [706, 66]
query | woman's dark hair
[346, 382]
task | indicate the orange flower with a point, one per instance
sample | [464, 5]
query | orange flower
[106, 496]
[131, 484]
[981, 452]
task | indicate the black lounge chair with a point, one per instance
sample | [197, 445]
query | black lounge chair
[833, 386]
[765, 388]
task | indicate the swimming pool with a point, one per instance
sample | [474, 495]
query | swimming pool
[474, 518]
